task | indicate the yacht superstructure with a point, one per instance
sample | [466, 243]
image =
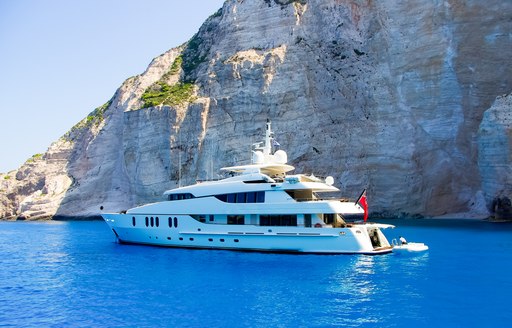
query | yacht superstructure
[260, 208]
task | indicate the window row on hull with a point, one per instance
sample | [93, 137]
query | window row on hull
[243, 197]
[155, 221]
[180, 196]
[239, 197]
[264, 220]
[291, 220]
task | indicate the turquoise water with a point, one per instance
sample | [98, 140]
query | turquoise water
[74, 274]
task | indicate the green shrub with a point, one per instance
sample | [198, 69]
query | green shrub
[160, 93]
[176, 65]
[194, 55]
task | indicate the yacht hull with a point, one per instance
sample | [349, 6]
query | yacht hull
[185, 232]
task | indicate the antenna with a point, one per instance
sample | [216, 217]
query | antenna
[179, 159]
[211, 161]
[177, 133]
[267, 149]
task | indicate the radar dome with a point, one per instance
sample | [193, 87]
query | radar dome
[280, 157]
[329, 180]
[257, 157]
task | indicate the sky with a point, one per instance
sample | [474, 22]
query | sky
[61, 59]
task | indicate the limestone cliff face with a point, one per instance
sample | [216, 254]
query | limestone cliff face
[495, 156]
[380, 94]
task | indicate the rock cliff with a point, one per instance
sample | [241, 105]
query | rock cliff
[401, 97]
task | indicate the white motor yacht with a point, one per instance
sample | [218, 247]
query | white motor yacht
[259, 208]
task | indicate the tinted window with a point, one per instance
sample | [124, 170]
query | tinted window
[157, 221]
[251, 197]
[260, 197]
[133, 221]
[236, 219]
[175, 222]
[240, 197]
[307, 220]
[222, 198]
[278, 220]
[231, 198]
[180, 196]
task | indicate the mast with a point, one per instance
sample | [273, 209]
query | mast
[267, 149]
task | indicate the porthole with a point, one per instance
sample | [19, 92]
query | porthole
[210, 239]
[168, 238]
[181, 238]
[191, 239]
[236, 240]
[222, 240]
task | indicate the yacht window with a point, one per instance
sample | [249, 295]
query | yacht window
[222, 198]
[251, 197]
[152, 221]
[231, 198]
[236, 219]
[147, 221]
[243, 197]
[211, 218]
[181, 196]
[260, 197]
[133, 221]
[200, 218]
[240, 197]
[175, 222]
[278, 220]
[170, 222]
[307, 220]
[157, 222]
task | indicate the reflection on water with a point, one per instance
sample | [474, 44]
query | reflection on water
[364, 289]
[74, 274]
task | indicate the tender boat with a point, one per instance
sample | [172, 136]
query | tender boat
[408, 247]
[259, 208]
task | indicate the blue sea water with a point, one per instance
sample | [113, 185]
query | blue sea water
[74, 274]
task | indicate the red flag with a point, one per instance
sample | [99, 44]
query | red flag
[364, 204]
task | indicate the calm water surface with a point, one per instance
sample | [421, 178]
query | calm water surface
[74, 274]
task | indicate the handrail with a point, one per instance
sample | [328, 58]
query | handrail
[343, 200]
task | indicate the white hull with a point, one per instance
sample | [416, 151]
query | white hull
[190, 233]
